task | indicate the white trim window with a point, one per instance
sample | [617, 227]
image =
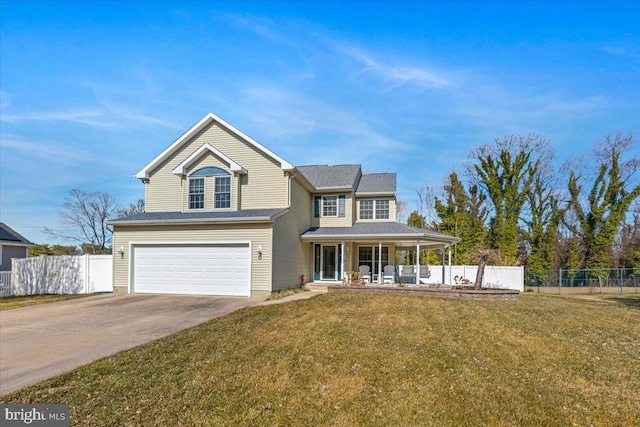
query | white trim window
[329, 205]
[370, 255]
[222, 192]
[374, 209]
[196, 193]
[366, 209]
[382, 209]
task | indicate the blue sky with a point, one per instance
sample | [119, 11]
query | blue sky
[92, 91]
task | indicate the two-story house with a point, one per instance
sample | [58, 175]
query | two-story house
[224, 215]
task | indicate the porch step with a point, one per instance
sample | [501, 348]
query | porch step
[317, 287]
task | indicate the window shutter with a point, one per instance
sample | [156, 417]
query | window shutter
[341, 205]
[316, 212]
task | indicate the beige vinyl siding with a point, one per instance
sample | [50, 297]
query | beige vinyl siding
[291, 256]
[392, 209]
[333, 221]
[265, 185]
[257, 234]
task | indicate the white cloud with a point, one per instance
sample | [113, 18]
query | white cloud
[91, 117]
[622, 51]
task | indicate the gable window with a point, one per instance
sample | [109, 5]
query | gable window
[374, 209]
[196, 193]
[222, 192]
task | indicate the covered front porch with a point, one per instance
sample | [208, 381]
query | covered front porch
[374, 249]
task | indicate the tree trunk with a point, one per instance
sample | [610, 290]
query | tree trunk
[481, 265]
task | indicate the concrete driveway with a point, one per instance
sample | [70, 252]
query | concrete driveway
[42, 341]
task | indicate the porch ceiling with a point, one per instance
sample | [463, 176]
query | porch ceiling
[389, 232]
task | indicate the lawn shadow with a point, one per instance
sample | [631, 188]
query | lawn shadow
[629, 301]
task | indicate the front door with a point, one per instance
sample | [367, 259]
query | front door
[328, 262]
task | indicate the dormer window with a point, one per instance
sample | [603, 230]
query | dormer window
[196, 193]
[222, 192]
[199, 185]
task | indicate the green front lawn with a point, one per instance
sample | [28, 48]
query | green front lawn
[8, 303]
[356, 359]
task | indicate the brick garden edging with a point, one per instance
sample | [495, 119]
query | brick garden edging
[484, 294]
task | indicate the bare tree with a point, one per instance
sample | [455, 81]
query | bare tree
[82, 218]
[132, 209]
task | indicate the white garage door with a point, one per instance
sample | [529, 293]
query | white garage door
[212, 269]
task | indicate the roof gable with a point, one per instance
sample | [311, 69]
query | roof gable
[8, 236]
[181, 169]
[194, 130]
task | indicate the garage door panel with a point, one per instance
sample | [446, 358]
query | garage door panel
[216, 269]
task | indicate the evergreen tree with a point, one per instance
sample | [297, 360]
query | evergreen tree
[462, 215]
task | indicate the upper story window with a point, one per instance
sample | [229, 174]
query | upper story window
[222, 192]
[382, 209]
[329, 206]
[374, 209]
[196, 193]
[366, 209]
[200, 188]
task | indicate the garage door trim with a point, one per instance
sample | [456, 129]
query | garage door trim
[133, 244]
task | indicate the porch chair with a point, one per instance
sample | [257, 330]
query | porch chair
[365, 270]
[407, 275]
[425, 272]
[389, 275]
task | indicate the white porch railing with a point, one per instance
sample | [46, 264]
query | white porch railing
[5, 284]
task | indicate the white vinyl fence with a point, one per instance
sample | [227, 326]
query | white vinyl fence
[82, 274]
[5, 284]
[496, 277]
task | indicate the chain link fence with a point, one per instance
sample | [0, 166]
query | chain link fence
[586, 281]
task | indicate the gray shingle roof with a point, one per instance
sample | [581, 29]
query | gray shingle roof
[372, 230]
[377, 183]
[249, 215]
[324, 177]
[9, 235]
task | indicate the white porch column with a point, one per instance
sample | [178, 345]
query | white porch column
[450, 282]
[443, 269]
[342, 260]
[418, 262]
[379, 263]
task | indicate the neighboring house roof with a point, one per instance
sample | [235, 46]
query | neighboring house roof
[377, 184]
[195, 129]
[9, 236]
[325, 177]
[244, 216]
[380, 230]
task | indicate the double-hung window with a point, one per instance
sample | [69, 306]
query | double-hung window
[329, 205]
[374, 209]
[196, 193]
[366, 209]
[382, 209]
[222, 192]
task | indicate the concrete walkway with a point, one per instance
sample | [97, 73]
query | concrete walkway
[41, 341]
